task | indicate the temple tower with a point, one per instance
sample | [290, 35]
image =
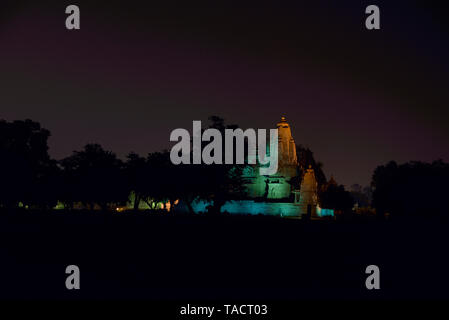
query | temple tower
[286, 144]
[308, 194]
[276, 186]
[287, 159]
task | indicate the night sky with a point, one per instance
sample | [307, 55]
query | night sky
[136, 71]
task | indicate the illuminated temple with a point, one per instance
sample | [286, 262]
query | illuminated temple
[275, 194]
[276, 186]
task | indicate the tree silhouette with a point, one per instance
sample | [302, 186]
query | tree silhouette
[135, 169]
[26, 170]
[411, 189]
[161, 178]
[216, 183]
[223, 182]
[334, 196]
[94, 176]
[156, 180]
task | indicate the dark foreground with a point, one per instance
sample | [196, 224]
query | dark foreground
[159, 257]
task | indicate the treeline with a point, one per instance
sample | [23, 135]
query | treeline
[411, 189]
[94, 177]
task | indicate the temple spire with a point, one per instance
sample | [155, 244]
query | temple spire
[287, 146]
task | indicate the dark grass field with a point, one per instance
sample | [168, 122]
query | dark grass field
[180, 257]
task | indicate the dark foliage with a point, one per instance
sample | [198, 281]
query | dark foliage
[411, 189]
[335, 197]
[28, 175]
[156, 179]
[92, 177]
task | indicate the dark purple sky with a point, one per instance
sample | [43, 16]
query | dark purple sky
[134, 72]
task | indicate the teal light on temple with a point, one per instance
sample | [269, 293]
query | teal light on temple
[324, 212]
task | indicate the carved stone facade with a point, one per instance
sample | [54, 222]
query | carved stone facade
[275, 186]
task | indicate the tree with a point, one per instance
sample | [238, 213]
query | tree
[135, 169]
[334, 196]
[215, 183]
[155, 179]
[94, 176]
[224, 181]
[26, 170]
[411, 189]
[191, 184]
[161, 178]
